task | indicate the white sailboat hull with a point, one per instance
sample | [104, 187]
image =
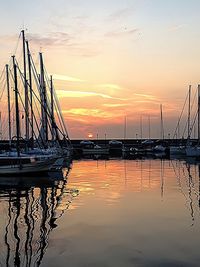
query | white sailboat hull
[27, 168]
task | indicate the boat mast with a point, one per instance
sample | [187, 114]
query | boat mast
[162, 126]
[30, 88]
[54, 130]
[52, 107]
[0, 127]
[189, 109]
[198, 112]
[141, 127]
[149, 127]
[8, 95]
[125, 124]
[43, 96]
[16, 105]
[25, 90]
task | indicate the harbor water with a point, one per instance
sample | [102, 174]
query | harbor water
[105, 213]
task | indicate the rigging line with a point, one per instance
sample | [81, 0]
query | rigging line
[59, 114]
[38, 86]
[46, 108]
[193, 124]
[48, 83]
[62, 119]
[15, 49]
[4, 124]
[35, 118]
[2, 73]
[177, 126]
[29, 118]
[4, 86]
[195, 97]
[48, 99]
[185, 128]
[3, 83]
[21, 76]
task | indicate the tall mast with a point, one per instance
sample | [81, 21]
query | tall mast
[189, 109]
[141, 127]
[161, 126]
[30, 88]
[52, 107]
[8, 95]
[178, 130]
[124, 129]
[54, 130]
[198, 112]
[149, 126]
[0, 127]
[43, 96]
[25, 90]
[16, 105]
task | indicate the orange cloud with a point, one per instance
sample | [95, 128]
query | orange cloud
[90, 112]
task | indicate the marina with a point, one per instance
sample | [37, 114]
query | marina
[99, 133]
[33, 99]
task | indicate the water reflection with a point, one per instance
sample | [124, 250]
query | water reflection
[188, 181]
[111, 180]
[30, 208]
[128, 213]
[131, 213]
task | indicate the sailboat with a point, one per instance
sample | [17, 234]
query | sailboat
[194, 151]
[17, 162]
[36, 152]
[180, 150]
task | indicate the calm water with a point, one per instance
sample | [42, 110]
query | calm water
[106, 213]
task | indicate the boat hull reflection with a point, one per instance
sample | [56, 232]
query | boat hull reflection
[33, 206]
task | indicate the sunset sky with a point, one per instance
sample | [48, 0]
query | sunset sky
[111, 59]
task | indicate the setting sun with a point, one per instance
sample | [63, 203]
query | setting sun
[90, 135]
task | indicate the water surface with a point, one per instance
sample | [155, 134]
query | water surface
[106, 213]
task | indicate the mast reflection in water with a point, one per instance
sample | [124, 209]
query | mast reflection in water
[128, 213]
[31, 208]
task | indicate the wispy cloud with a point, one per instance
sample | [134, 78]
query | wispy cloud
[176, 27]
[70, 41]
[89, 112]
[66, 78]
[115, 105]
[51, 39]
[146, 96]
[65, 93]
[122, 33]
[110, 86]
